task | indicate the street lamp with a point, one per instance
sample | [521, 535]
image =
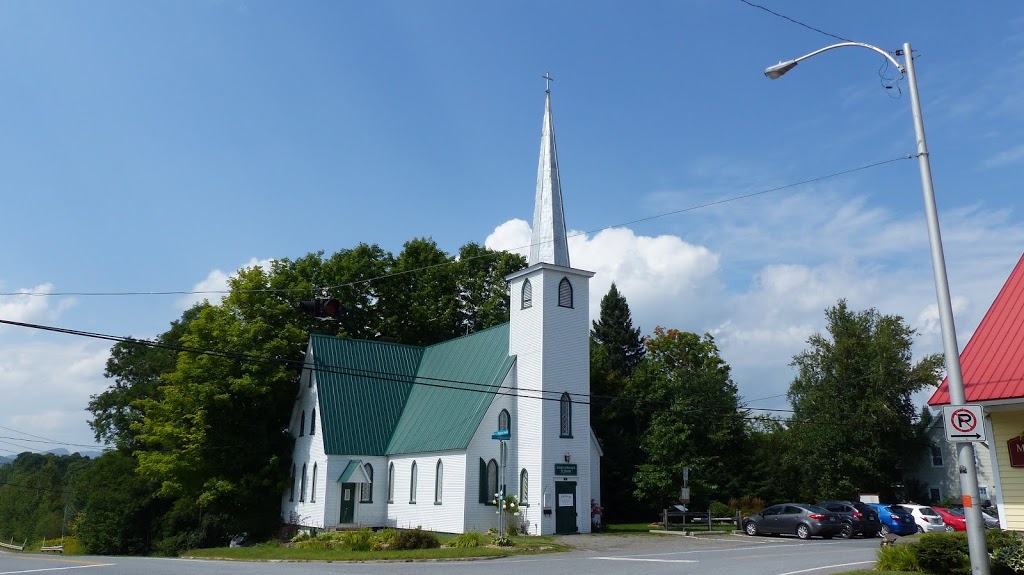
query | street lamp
[965, 451]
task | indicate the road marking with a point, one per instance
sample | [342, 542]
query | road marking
[812, 568]
[643, 559]
[56, 568]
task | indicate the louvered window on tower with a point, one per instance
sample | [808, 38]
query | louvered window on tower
[527, 294]
[564, 293]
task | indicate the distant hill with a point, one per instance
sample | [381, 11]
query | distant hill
[5, 459]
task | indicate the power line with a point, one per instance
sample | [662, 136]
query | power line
[797, 22]
[449, 263]
[61, 443]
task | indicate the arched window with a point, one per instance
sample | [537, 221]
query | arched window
[565, 416]
[302, 489]
[438, 480]
[504, 420]
[391, 483]
[312, 422]
[302, 424]
[492, 480]
[524, 487]
[291, 492]
[366, 491]
[412, 484]
[527, 299]
[312, 491]
[564, 293]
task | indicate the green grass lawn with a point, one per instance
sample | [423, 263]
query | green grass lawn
[274, 551]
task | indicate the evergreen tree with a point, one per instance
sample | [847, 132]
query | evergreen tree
[614, 332]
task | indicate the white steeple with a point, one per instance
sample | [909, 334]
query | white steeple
[548, 244]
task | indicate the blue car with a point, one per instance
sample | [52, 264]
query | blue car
[895, 519]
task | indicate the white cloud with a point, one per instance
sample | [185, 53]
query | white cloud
[1011, 156]
[34, 305]
[46, 386]
[215, 285]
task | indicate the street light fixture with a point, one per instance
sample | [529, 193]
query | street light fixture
[965, 451]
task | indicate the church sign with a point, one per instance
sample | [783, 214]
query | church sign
[1016, 448]
[565, 469]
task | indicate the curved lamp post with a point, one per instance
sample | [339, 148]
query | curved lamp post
[965, 451]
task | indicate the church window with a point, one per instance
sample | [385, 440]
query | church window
[504, 421]
[391, 483]
[291, 491]
[302, 424]
[492, 481]
[438, 481]
[412, 484]
[524, 487]
[527, 295]
[312, 491]
[565, 416]
[564, 293]
[302, 488]
[312, 422]
[366, 491]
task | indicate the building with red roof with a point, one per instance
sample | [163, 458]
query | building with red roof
[993, 372]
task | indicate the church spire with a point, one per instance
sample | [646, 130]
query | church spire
[548, 244]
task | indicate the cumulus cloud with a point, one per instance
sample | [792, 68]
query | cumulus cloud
[49, 402]
[34, 305]
[215, 285]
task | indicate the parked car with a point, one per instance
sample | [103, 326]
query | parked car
[926, 518]
[858, 518]
[991, 522]
[953, 522]
[895, 519]
[804, 521]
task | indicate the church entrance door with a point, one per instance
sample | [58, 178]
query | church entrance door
[565, 507]
[348, 503]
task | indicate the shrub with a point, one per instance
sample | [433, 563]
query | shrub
[898, 558]
[416, 539]
[944, 553]
[327, 540]
[384, 539]
[469, 539]
[358, 540]
[719, 509]
[746, 504]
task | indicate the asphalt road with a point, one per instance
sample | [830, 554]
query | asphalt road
[594, 554]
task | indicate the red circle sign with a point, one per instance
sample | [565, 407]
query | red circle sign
[963, 420]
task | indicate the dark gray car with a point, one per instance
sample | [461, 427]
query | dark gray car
[804, 521]
[858, 518]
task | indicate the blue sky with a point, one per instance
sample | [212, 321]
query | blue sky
[159, 146]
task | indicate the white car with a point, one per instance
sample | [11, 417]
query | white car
[926, 518]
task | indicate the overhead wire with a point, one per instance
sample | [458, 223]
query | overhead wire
[797, 22]
[450, 263]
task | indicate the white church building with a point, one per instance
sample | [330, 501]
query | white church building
[392, 435]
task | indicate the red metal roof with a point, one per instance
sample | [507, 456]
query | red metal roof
[993, 361]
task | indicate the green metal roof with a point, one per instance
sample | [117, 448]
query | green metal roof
[458, 379]
[362, 387]
[369, 404]
[354, 473]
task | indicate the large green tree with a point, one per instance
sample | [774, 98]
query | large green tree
[614, 331]
[853, 422]
[694, 420]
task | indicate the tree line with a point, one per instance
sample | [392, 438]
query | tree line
[200, 448]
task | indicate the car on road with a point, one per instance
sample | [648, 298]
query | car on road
[858, 518]
[953, 522]
[895, 519]
[928, 521]
[804, 521]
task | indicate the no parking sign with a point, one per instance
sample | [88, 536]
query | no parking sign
[963, 423]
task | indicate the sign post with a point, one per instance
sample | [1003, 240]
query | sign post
[502, 435]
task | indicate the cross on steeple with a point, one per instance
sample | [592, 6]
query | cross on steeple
[547, 82]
